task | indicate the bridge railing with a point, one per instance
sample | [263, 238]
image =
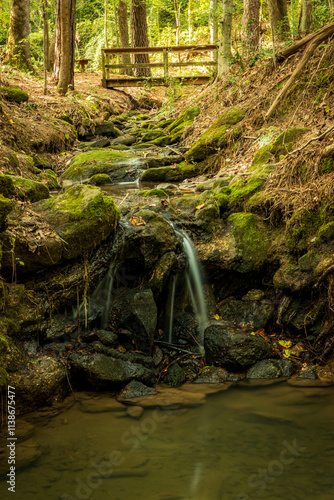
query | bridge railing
[108, 82]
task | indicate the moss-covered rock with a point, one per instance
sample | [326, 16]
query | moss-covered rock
[7, 187]
[41, 161]
[26, 189]
[102, 161]
[6, 206]
[326, 232]
[215, 137]
[51, 179]
[283, 143]
[187, 115]
[80, 211]
[14, 95]
[172, 173]
[99, 180]
[153, 134]
[159, 193]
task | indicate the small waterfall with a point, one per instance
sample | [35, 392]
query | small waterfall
[194, 284]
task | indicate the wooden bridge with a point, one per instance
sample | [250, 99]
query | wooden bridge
[108, 82]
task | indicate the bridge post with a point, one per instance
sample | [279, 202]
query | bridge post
[165, 59]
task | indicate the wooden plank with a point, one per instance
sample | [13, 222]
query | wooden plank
[161, 65]
[146, 50]
[140, 82]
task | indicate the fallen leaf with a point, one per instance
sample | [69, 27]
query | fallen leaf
[137, 221]
[215, 316]
[202, 205]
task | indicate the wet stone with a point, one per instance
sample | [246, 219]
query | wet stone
[101, 405]
[135, 389]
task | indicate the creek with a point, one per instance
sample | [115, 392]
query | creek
[269, 442]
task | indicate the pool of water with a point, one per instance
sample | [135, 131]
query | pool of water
[270, 442]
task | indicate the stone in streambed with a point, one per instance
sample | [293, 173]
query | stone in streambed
[135, 389]
[232, 348]
[272, 368]
[125, 140]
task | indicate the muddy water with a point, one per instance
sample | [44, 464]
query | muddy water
[268, 442]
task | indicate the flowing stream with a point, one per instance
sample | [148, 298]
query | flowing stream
[270, 442]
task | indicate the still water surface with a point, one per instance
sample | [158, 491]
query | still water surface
[266, 442]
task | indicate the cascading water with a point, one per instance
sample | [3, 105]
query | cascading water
[194, 287]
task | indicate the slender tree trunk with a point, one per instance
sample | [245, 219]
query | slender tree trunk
[177, 22]
[250, 24]
[331, 7]
[306, 17]
[106, 24]
[139, 38]
[67, 35]
[190, 20]
[46, 37]
[224, 51]
[122, 15]
[280, 19]
[57, 45]
[18, 46]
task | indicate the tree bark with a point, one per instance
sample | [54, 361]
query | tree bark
[46, 37]
[139, 38]
[331, 7]
[122, 14]
[213, 21]
[325, 31]
[67, 45]
[224, 51]
[280, 19]
[177, 22]
[306, 17]
[57, 45]
[190, 20]
[18, 46]
[250, 24]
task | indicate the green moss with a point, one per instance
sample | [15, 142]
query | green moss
[66, 119]
[214, 137]
[251, 240]
[3, 378]
[99, 180]
[187, 115]
[302, 228]
[98, 161]
[222, 200]
[326, 232]
[14, 95]
[41, 161]
[165, 123]
[327, 165]
[176, 173]
[160, 193]
[283, 143]
[30, 190]
[51, 179]
[7, 187]
[6, 206]
[208, 215]
[154, 134]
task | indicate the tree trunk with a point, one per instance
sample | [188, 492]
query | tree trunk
[306, 17]
[67, 45]
[280, 19]
[177, 22]
[46, 38]
[139, 38]
[224, 51]
[250, 24]
[57, 45]
[190, 20]
[18, 47]
[122, 14]
[106, 24]
[213, 21]
[331, 7]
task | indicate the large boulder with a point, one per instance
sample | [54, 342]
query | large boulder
[272, 368]
[233, 348]
[106, 371]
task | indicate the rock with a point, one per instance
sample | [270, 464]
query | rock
[217, 375]
[109, 339]
[172, 173]
[7, 188]
[214, 137]
[281, 145]
[42, 381]
[105, 371]
[14, 95]
[151, 193]
[137, 311]
[168, 188]
[175, 376]
[153, 134]
[309, 372]
[99, 180]
[248, 313]
[6, 207]
[106, 129]
[81, 210]
[27, 189]
[100, 143]
[272, 368]
[232, 348]
[126, 140]
[51, 179]
[119, 165]
[169, 398]
[135, 389]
